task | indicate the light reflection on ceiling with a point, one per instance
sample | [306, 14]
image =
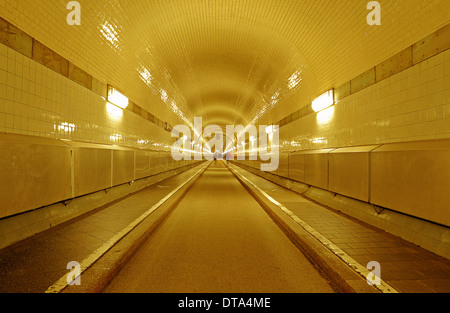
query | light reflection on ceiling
[230, 62]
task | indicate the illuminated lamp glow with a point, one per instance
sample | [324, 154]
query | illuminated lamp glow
[324, 101]
[113, 111]
[325, 116]
[117, 98]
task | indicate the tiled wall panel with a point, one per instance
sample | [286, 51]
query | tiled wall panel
[413, 178]
[50, 59]
[37, 171]
[34, 173]
[80, 76]
[408, 177]
[394, 65]
[92, 169]
[123, 166]
[349, 172]
[363, 80]
[142, 165]
[283, 166]
[16, 38]
[316, 168]
[297, 166]
[430, 45]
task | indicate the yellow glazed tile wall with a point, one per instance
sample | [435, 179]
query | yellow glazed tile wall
[188, 46]
[86, 46]
[411, 105]
[248, 48]
[35, 100]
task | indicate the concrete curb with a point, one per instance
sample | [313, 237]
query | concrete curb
[339, 274]
[95, 278]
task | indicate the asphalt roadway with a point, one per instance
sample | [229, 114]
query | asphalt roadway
[218, 240]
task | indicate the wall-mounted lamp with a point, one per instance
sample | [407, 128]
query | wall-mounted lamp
[117, 98]
[324, 101]
[114, 111]
[270, 129]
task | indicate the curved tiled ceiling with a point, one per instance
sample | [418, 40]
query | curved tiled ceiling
[228, 61]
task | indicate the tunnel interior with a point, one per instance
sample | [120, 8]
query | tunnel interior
[347, 102]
